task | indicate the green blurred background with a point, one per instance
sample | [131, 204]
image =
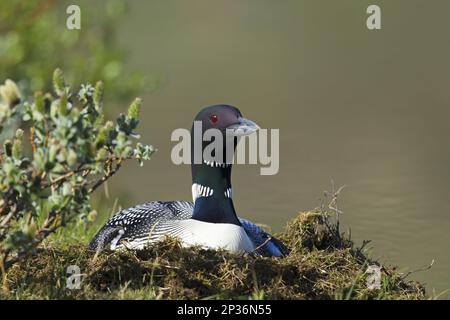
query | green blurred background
[368, 109]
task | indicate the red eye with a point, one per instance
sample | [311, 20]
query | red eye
[214, 118]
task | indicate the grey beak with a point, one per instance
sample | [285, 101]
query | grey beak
[243, 128]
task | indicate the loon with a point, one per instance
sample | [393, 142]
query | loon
[209, 221]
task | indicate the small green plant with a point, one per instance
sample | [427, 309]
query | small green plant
[49, 169]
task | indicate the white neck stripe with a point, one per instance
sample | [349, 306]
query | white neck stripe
[229, 193]
[200, 191]
[215, 164]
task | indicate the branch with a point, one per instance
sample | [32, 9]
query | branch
[107, 176]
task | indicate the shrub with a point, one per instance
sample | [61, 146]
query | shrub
[51, 166]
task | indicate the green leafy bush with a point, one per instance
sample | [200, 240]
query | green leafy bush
[49, 169]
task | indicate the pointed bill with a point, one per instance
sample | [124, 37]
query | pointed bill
[243, 128]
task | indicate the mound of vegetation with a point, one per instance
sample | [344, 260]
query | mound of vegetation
[321, 265]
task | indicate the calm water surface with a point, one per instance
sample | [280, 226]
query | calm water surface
[367, 109]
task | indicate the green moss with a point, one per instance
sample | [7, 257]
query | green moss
[321, 266]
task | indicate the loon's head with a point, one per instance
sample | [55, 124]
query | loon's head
[217, 122]
[227, 119]
[211, 178]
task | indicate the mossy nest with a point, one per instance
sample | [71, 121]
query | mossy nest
[321, 265]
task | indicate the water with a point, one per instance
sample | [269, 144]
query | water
[367, 109]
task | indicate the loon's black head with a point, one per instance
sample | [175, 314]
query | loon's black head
[211, 179]
[223, 117]
[219, 122]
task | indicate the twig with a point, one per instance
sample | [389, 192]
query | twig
[262, 244]
[3, 269]
[107, 176]
[334, 206]
[6, 219]
[64, 176]
[418, 270]
[33, 144]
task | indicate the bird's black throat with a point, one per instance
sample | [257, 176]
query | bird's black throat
[218, 207]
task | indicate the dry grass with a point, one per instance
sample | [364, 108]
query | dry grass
[322, 265]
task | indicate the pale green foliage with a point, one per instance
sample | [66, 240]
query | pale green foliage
[34, 41]
[48, 171]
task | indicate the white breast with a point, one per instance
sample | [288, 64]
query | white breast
[212, 235]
